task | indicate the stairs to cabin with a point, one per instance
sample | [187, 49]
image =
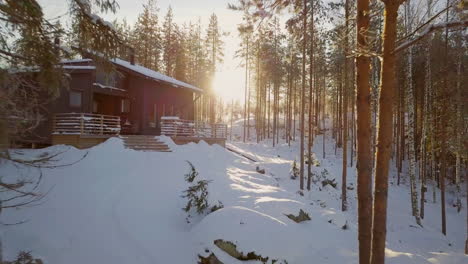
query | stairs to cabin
[144, 143]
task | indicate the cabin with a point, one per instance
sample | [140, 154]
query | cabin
[130, 100]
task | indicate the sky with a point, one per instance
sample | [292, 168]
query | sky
[229, 80]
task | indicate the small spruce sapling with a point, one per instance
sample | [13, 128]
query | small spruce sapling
[294, 171]
[189, 177]
[197, 193]
[197, 196]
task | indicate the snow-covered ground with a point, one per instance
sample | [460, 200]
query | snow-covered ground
[124, 206]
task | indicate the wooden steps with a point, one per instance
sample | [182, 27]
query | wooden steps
[144, 143]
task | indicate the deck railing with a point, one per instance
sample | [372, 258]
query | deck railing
[86, 124]
[175, 127]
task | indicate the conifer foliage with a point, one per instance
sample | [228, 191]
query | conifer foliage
[197, 192]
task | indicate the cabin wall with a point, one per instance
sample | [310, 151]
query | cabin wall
[164, 100]
[81, 81]
[136, 97]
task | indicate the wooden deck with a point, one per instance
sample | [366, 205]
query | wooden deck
[83, 130]
[186, 131]
[79, 141]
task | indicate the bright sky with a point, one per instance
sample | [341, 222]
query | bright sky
[229, 82]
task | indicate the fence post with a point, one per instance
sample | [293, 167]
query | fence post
[54, 123]
[102, 124]
[82, 124]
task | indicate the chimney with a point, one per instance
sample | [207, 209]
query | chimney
[132, 55]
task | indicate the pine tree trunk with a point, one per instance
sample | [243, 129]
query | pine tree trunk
[311, 72]
[248, 106]
[411, 125]
[411, 145]
[425, 128]
[384, 137]
[4, 137]
[324, 116]
[304, 44]
[344, 205]
[246, 87]
[364, 133]
[466, 241]
[443, 134]
[459, 125]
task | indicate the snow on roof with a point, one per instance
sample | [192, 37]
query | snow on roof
[78, 67]
[154, 75]
[141, 70]
[75, 60]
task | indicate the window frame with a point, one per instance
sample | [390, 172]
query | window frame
[123, 109]
[76, 92]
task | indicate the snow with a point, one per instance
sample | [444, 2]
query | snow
[78, 67]
[155, 75]
[123, 206]
[170, 118]
[76, 60]
[138, 69]
[109, 87]
[96, 19]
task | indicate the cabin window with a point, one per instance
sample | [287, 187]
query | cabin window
[107, 78]
[125, 106]
[75, 98]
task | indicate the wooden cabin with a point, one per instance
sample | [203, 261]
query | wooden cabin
[132, 99]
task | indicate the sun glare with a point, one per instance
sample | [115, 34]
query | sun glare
[229, 85]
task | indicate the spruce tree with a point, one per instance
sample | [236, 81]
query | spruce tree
[147, 37]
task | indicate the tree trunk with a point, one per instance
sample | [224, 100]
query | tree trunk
[384, 137]
[246, 87]
[311, 73]
[364, 134]
[304, 44]
[344, 205]
[411, 125]
[443, 134]
[323, 115]
[4, 137]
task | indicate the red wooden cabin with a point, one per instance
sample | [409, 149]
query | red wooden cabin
[132, 99]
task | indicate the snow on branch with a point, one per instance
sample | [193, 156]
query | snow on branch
[428, 30]
[83, 5]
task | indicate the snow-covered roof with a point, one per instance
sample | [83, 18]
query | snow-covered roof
[155, 75]
[143, 71]
[78, 67]
[76, 60]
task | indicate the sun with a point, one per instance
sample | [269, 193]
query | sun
[229, 84]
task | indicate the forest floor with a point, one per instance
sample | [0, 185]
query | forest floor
[123, 206]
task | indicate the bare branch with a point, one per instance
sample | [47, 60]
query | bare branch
[428, 30]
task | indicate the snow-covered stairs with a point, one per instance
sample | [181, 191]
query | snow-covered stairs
[144, 143]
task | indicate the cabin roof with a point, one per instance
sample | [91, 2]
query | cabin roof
[145, 72]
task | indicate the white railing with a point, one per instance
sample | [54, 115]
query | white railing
[174, 127]
[86, 124]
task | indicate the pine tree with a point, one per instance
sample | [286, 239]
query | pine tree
[168, 41]
[214, 47]
[364, 149]
[384, 137]
[147, 37]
